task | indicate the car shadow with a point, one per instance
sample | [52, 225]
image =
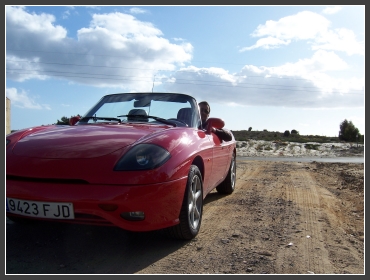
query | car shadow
[213, 196]
[61, 248]
[55, 248]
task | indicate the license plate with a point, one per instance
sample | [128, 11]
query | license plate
[49, 210]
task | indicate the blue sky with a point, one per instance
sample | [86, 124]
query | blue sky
[266, 67]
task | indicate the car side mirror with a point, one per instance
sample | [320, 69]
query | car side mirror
[216, 123]
[74, 120]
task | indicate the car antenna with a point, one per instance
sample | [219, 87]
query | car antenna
[153, 83]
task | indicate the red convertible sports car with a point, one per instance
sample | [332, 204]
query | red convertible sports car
[135, 160]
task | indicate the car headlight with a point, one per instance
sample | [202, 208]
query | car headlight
[143, 157]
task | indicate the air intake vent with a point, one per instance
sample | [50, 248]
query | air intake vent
[46, 180]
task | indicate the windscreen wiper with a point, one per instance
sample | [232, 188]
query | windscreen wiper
[94, 118]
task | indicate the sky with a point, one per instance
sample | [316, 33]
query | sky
[266, 67]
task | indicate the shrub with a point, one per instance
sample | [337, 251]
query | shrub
[286, 133]
[311, 146]
[294, 131]
[259, 147]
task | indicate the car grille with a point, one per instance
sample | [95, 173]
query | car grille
[91, 220]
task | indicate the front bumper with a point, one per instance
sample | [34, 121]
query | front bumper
[161, 203]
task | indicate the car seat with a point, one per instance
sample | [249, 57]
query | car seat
[135, 113]
[185, 115]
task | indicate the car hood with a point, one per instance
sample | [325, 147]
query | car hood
[81, 141]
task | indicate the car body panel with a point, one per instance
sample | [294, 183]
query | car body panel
[79, 141]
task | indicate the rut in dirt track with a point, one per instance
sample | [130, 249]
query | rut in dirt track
[304, 219]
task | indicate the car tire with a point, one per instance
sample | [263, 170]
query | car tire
[227, 186]
[191, 209]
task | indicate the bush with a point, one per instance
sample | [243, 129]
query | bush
[311, 146]
[286, 133]
[294, 131]
[65, 121]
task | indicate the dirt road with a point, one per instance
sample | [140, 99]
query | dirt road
[283, 218]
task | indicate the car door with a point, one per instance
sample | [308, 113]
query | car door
[220, 159]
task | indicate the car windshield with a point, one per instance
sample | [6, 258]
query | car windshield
[151, 108]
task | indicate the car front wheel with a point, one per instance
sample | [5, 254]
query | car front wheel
[192, 207]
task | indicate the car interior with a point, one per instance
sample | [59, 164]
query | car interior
[185, 115]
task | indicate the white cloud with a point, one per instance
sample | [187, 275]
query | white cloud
[122, 25]
[314, 70]
[93, 7]
[123, 52]
[137, 11]
[320, 62]
[309, 26]
[267, 43]
[23, 100]
[358, 122]
[22, 70]
[22, 26]
[340, 40]
[303, 84]
[66, 14]
[301, 26]
[331, 10]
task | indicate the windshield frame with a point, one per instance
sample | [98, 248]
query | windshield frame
[143, 100]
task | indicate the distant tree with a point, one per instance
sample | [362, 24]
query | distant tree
[64, 120]
[286, 133]
[294, 131]
[250, 128]
[348, 131]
